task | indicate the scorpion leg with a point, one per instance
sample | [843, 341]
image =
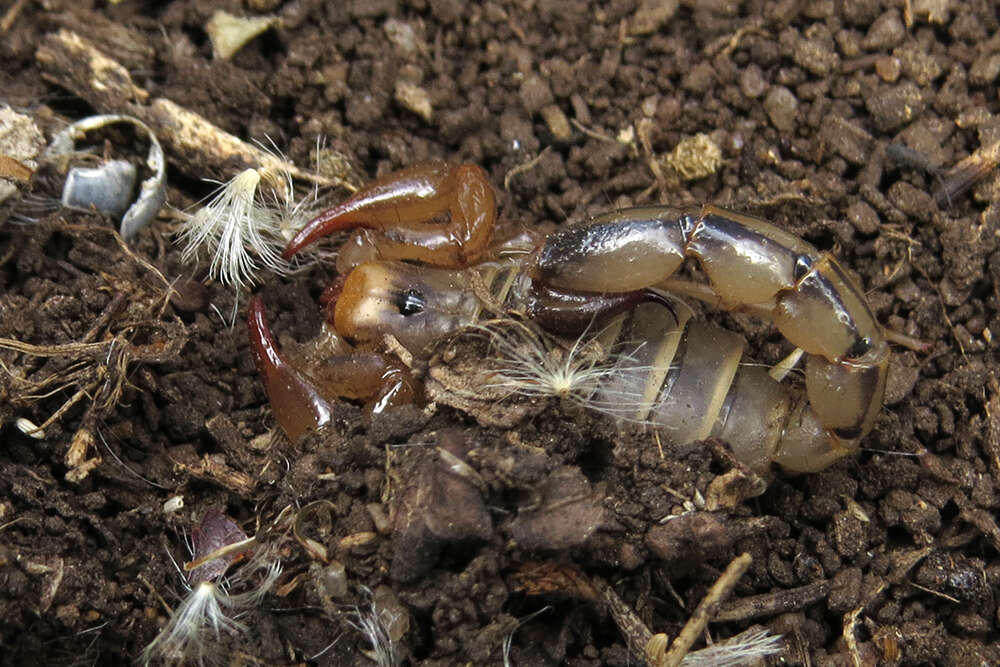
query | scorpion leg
[750, 265]
[301, 393]
[401, 215]
[572, 313]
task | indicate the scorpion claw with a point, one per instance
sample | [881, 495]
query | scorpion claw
[401, 212]
[297, 403]
[302, 400]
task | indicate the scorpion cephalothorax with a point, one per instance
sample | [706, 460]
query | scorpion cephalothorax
[421, 266]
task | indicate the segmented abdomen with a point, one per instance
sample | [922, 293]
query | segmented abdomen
[689, 379]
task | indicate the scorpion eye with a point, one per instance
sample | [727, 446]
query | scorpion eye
[409, 302]
[860, 346]
[803, 265]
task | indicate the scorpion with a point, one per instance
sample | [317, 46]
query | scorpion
[421, 265]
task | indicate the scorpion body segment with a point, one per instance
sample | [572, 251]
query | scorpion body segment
[692, 381]
[750, 265]
[612, 271]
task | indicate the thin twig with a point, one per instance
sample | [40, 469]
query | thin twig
[771, 604]
[705, 611]
[8, 19]
[637, 635]
[523, 167]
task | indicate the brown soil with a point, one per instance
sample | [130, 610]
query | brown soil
[889, 557]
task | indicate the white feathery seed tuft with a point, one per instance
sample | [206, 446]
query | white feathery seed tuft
[239, 231]
[245, 224]
[747, 648]
[374, 623]
[531, 363]
[194, 633]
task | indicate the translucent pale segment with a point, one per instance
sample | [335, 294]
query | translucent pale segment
[806, 446]
[746, 260]
[361, 309]
[812, 318]
[357, 250]
[619, 253]
[851, 297]
[645, 349]
[826, 314]
[753, 417]
[848, 396]
[698, 383]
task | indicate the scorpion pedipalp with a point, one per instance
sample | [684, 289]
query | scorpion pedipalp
[301, 399]
[297, 404]
[401, 215]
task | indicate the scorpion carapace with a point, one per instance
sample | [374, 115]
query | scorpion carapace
[420, 267]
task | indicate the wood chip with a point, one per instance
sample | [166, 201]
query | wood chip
[197, 146]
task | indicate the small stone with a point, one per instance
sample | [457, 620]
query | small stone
[20, 138]
[910, 511]
[446, 11]
[649, 105]
[886, 32]
[230, 33]
[373, 8]
[413, 98]
[984, 69]
[917, 64]
[404, 38]
[933, 11]
[334, 79]
[21, 141]
[815, 52]
[557, 122]
[849, 534]
[892, 107]
[888, 68]
[863, 217]
[189, 296]
[955, 575]
[782, 108]
[435, 507]
[904, 371]
[334, 580]
[818, 9]
[569, 513]
[535, 93]
[912, 201]
[695, 157]
[849, 43]
[847, 139]
[651, 16]
[845, 590]
[365, 109]
[393, 616]
[752, 81]
[689, 539]
[700, 78]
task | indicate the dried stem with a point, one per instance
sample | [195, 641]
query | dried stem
[705, 611]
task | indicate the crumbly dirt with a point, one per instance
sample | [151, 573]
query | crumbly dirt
[889, 557]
